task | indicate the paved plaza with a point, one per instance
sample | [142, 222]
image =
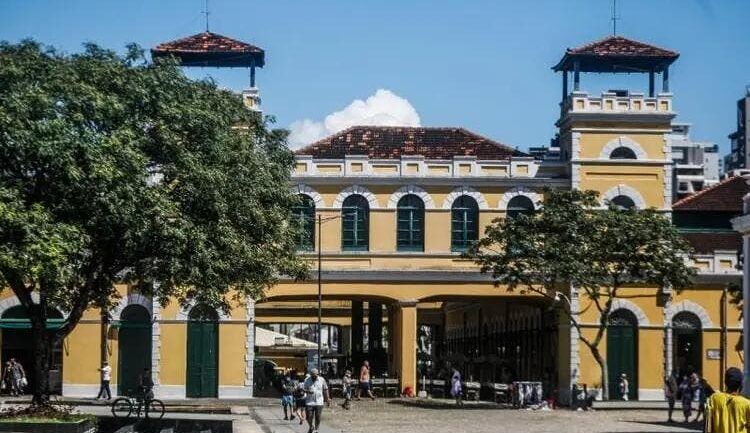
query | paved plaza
[389, 417]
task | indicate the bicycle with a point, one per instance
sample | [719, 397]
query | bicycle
[152, 408]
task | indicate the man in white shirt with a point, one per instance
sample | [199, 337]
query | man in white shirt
[106, 375]
[316, 389]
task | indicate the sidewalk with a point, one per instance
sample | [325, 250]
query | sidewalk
[442, 403]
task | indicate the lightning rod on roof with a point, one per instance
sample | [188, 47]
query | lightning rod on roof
[615, 17]
[206, 12]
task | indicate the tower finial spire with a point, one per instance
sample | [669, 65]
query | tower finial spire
[206, 12]
[614, 19]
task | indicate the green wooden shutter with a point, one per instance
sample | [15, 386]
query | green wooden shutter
[410, 224]
[355, 224]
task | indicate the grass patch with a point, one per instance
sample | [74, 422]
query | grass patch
[47, 414]
[41, 420]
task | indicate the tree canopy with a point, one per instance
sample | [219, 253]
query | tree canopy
[115, 169]
[573, 244]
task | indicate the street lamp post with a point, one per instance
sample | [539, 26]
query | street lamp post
[320, 289]
[320, 222]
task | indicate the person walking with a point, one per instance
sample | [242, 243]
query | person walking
[670, 392]
[347, 390]
[287, 395]
[8, 382]
[686, 396]
[18, 375]
[624, 387]
[316, 389]
[727, 412]
[456, 387]
[700, 389]
[105, 374]
[300, 403]
[364, 381]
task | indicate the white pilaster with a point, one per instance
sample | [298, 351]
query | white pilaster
[156, 344]
[249, 348]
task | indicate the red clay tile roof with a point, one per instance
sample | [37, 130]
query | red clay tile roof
[392, 142]
[707, 243]
[725, 196]
[213, 47]
[621, 46]
[617, 54]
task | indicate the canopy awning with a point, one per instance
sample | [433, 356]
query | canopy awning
[267, 338]
[26, 323]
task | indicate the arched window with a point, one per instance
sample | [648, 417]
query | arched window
[518, 205]
[410, 224]
[623, 202]
[623, 152]
[464, 223]
[304, 214]
[355, 224]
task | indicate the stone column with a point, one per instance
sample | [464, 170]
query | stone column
[742, 225]
[249, 347]
[746, 312]
[405, 343]
[357, 331]
[156, 344]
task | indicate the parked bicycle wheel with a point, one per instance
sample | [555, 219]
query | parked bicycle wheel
[122, 407]
[155, 409]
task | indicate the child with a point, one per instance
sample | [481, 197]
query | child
[347, 390]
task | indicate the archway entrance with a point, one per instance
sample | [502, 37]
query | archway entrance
[687, 343]
[134, 352]
[18, 343]
[622, 352]
[203, 352]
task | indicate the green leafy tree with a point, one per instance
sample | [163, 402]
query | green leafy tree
[113, 169]
[572, 244]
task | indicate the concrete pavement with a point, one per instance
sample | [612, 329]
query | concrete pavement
[271, 420]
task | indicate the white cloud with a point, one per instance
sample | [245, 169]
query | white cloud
[383, 108]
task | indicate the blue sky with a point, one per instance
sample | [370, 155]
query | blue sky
[480, 64]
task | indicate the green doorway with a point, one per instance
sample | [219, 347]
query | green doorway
[622, 353]
[203, 352]
[134, 348]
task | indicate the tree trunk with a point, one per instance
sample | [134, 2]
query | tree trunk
[605, 374]
[42, 346]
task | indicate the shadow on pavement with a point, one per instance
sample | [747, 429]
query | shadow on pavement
[675, 426]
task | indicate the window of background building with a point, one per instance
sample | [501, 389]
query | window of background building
[410, 224]
[304, 214]
[464, 223]
[355, 224]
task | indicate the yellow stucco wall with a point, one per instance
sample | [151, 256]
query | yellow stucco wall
[232, 337]
[647, 180]
[173, 353]
[652, 143]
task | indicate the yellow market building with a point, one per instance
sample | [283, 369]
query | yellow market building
[397, 206]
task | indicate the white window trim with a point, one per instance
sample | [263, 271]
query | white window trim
[358, 190]
[505, 199]
[411, 189]
[308, 191]
[622, 141]
[468, 191]
[625, 190]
